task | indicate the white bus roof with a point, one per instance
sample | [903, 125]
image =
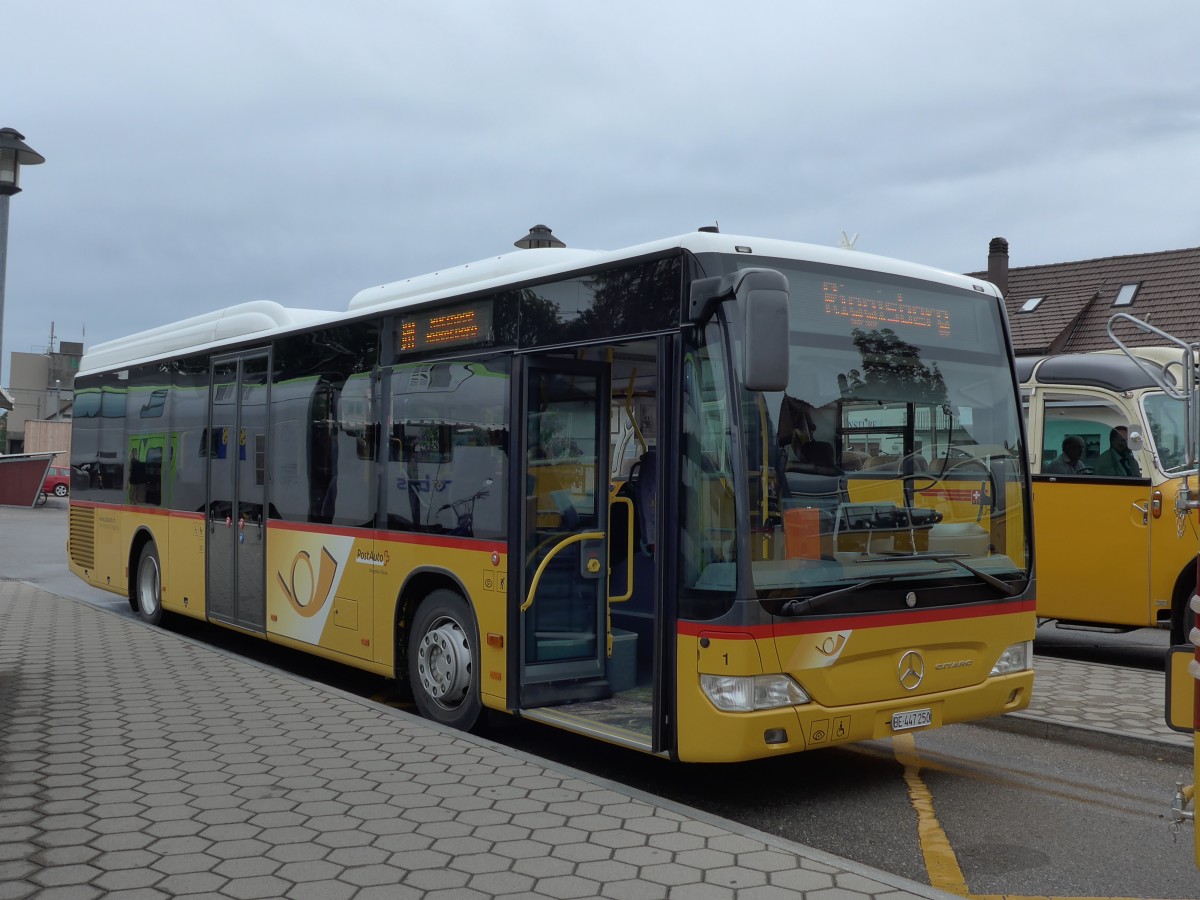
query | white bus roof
[498, 271]
[264, 318]
[258, 317]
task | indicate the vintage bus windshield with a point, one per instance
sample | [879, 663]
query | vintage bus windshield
[892, 461]
[1165, 417]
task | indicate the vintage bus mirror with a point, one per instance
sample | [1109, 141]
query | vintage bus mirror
[1135, 440]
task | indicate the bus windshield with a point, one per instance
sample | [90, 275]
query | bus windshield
[893, 460]
[1165, 416]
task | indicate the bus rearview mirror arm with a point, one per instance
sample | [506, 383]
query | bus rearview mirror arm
[762, 296]
[1186, 499]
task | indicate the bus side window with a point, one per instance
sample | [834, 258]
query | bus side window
[1076, 430]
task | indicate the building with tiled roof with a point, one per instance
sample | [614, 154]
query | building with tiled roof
[1065, 307]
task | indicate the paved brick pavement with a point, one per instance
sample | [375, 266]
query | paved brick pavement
[136, 764]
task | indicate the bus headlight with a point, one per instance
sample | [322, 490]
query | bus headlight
[1016, 658]
[746, 693]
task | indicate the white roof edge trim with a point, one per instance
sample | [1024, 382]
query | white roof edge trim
[257, 317]
[484, 271]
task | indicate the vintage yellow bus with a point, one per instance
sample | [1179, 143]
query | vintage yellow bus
[712, 497]
[1112, 553]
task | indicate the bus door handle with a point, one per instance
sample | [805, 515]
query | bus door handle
[1144, 509]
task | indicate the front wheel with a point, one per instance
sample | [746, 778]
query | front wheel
[443, 660]
[147, 586]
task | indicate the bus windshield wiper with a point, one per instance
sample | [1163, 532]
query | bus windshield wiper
[955, 559]
[808, 604]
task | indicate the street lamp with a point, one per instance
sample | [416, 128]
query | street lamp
[14, 153]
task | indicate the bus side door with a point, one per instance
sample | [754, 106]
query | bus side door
[562, 539]
[1091, 527]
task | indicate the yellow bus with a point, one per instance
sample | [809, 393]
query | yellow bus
[713, 497]
[1112, 552]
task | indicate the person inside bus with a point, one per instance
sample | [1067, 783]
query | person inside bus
[1070, 461]
[1118, 459]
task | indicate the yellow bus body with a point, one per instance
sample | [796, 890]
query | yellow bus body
[852, 670]
[1110, 551]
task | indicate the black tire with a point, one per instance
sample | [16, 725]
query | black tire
[147, 586]
[60, 490]
[1182, 619]
[443, 661]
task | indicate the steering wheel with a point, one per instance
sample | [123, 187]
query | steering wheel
[939, 473]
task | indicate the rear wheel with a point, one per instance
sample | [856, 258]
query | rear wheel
[60, 490]
[147, 586]
[443, 660]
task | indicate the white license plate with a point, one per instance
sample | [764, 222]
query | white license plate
[913, 718]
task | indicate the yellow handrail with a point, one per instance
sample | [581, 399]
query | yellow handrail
[565, 542]
[628, 551]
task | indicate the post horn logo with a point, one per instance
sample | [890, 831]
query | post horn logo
[911, 670]
[305, 593]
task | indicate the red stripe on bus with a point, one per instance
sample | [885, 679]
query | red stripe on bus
[391, 537]
[851, 623]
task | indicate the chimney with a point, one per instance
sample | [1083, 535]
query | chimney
[997, 272]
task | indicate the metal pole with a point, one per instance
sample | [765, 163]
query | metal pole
[3, 265]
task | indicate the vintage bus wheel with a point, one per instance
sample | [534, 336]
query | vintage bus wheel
[443, 660]
[147, 586]
[1182, 618]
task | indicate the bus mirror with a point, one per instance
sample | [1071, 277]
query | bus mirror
[1135, 440]
[764, 302]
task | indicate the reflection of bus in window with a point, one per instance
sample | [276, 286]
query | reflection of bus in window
[1106, 450]
[667, 496]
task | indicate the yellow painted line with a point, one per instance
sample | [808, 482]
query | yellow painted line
[940, 862]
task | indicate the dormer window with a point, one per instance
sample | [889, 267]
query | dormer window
[1031, 304]
[1126, 294]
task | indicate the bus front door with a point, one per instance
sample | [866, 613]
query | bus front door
[563, 533]
[236, 545]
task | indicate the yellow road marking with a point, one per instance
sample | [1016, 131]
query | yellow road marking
[940, 861]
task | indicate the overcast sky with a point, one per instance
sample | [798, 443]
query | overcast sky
[200, 155]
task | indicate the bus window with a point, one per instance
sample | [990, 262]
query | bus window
[1081, 435]
[447, 457]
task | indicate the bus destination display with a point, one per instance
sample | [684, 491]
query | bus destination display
[438, 328]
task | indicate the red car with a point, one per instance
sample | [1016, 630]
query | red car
[58, 481]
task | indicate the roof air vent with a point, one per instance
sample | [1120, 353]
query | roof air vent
[539, 236]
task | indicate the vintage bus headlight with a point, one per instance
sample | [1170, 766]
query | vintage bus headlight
[1016, 658]
[747, 693]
